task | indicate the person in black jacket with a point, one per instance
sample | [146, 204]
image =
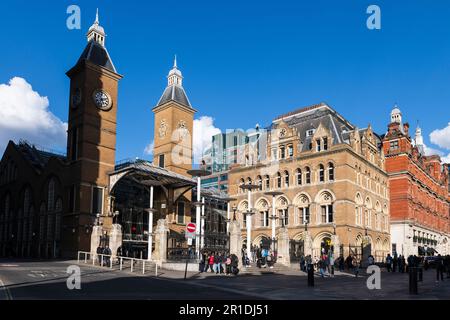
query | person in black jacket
[439, 268]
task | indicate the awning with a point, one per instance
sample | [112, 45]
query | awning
[143, 171]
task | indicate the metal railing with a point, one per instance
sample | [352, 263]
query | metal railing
[124, 263]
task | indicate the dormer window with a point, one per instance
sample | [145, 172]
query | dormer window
[318, 145]
[310, 133]
[325, 143]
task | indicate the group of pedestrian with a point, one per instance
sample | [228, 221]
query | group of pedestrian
[104, 252]
[219, 262]
[264, 258]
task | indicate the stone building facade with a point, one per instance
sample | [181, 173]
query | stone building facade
[331, 175]
[419, 195]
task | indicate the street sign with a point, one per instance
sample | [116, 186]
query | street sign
[190, 231]
[191, 227]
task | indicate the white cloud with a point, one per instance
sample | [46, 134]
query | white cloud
[446, 159]
[149, 148]
[431, 151]
[441, 137]
[204, 129]
[24, 114]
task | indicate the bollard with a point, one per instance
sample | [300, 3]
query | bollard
[310, 275]
[413, 280]
[120, 264]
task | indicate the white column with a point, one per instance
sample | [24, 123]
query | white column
[273, 220]
[198, 220]
[150, 226]
[249, 226]
[203, 223]
[228, 217]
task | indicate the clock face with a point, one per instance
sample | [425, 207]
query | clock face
[102, 100]
[282, 132]
[76, 98]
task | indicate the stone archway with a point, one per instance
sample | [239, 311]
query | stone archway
[322, 243]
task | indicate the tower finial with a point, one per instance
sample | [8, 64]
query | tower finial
[175, 62]
[96, 18]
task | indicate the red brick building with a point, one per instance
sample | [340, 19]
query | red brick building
[419, 194]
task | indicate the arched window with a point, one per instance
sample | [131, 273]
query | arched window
[263, 207]
[286, 179]
[298, 176]
[283, 213]
[42, 220]
[58, 213]
[326, 207]
[278, 180]
[241, 183]
[259, 182]
[358, 209]
[303, 209]
[249, 180]
[308, 175]
[321, 173]
[368, 213]
[330, 172]
[51, 195]
[267, 182]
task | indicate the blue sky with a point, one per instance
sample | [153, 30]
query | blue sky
[244, 62]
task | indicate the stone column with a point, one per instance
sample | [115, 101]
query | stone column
[336, 245]
[308, 244]
[283, 247]
[160, 254]
[97, 232]
[115, 239]
[236, 240]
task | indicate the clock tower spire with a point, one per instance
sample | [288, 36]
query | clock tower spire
[174, 122]
[91, 134]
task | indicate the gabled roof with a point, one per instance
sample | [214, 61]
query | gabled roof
[174, 93]
[37, 158]
[98, 55]
[311, 117]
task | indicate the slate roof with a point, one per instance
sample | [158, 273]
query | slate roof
[174, 93]
[37, 158]
[142, 171]
[98, 55]
[311, 117]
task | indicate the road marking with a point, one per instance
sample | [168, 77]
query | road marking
[9, 265]
[5, 290]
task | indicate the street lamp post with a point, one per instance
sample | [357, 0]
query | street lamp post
[228, 219]
[198, 173]
[234, 213]
[249, 187]
[273, 217]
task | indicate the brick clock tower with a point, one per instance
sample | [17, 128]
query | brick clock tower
[91, 139]
[174, 121]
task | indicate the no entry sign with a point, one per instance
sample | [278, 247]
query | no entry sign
[190, 228]
[190, 231]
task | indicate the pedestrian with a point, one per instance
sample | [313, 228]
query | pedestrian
[355, 266]
[302, 263]
[211, 262]
[217, 262]
[99, 253]
[388, 263]
[394, 263]
[331, 265]
[108, 255]
[439, 268]
[321, 265]
[447, 265]
[341, 263]
[370, 260]
[228, 265]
